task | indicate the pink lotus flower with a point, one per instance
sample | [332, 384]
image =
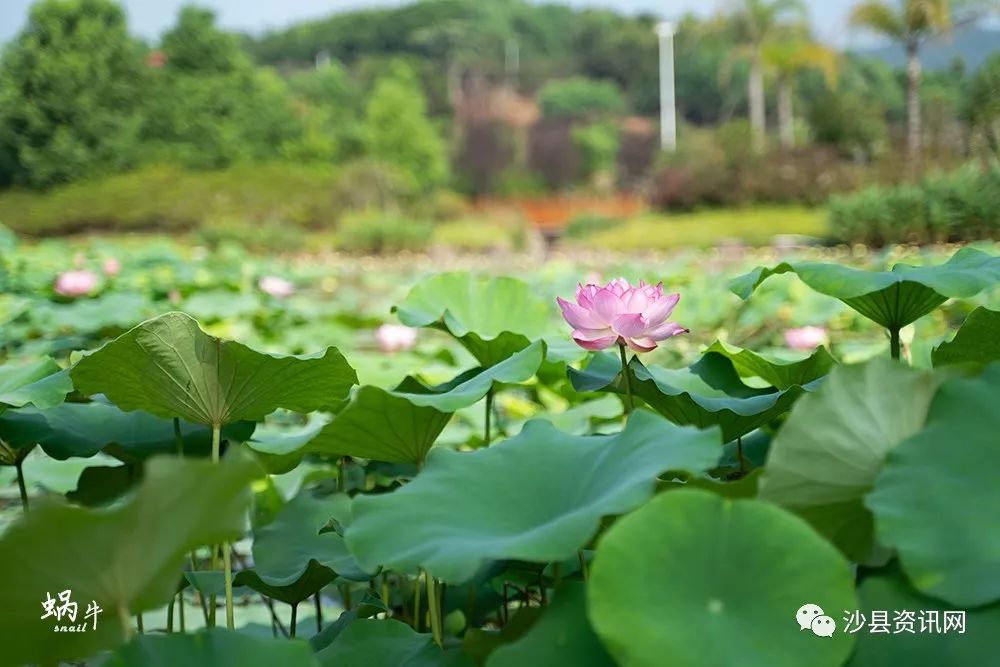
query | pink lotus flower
[620, 314]
[805, 338]
[76, 283]
[276, 287]
[112, 267]
[395, 337]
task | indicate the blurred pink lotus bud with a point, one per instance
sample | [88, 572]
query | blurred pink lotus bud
[395, 337]
[276, 287]
[620, 314]
[76, 283]
[805, 338]
[174, 296]
[112, 267]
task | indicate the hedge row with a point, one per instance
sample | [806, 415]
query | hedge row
[962, 205]
[280, 195]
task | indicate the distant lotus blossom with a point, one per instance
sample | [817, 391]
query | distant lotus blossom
[396, 337]
[805, 338]
[76, 283]
[276, 286]
[620, 314]
[112, 267]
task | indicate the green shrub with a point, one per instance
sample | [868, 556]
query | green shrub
[378, 233]
[170, 199]
[723, 177]
[962, 205]
[580, 97]
[365, 184]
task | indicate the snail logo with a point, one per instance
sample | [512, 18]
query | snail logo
[811, 617]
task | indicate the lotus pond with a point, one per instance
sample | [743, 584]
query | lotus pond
[214, 458]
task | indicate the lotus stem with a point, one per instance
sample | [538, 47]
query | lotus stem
[434, 609]
[295, 620]
[227, 564]
[126, 623]
[139, 625]
[385, 595]
[319, 612]
[894, 342]
[627, 377]
[416, 604]
[489, 410]
[178, 438]
[180, 610]
[583, 564]
[470, 607]
[19, 465]
[739, 455]
[345, 594]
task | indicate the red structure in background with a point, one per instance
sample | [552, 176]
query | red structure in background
[551, 215]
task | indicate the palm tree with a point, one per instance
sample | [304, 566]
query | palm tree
[757, 22]
[911, 22]
[785, 58]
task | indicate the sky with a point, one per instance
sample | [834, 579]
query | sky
[149, 18]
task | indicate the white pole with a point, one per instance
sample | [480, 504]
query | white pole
[668, 109]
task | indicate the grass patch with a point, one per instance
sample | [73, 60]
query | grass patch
[753, 226]
[477, 235]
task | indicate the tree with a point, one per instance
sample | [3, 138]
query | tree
[756, 23]
[208, 106]
[579, 97]
[909, 23]
[786, 58]
[196, 45]
[607, 45]
[983, 103]
[397, 131]
[70, 89]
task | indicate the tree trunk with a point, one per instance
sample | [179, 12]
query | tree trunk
[756, 94]
[913, 133]
[786, 120]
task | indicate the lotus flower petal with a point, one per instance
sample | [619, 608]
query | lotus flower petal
[621, 314]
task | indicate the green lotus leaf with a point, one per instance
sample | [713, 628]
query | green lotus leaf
[113, 310]
[220, 304]
[977, 342]
[504, 502]
[84, 429]
[127, 558]
[777, 373]
[41, 383]
[710, 581]
[708, 393]
[562, 636]
[280, 449]
[387, 644]
[101, 485]
[211, 648]
[492, 318]
[383, 426]
[293, 559]
[470, 387]
[827, 455]
[169, 367]
[926, 646]
[893, 298]
[936, 500]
